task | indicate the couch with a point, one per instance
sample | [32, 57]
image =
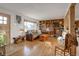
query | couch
[32, 34]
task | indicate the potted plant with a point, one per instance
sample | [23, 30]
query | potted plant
[2, 39]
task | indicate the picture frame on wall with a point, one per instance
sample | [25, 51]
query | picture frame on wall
[18, 19]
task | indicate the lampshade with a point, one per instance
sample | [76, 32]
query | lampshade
[25, 30]
[21, 31]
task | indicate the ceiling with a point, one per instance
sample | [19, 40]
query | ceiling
[40, 11]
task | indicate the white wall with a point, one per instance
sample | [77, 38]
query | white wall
[14, 26]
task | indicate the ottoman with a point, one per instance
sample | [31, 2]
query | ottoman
[43, 37]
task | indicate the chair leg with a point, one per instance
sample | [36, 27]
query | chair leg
[64, 53]
[55, 51]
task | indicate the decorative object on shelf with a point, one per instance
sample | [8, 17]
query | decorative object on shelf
[18, 19]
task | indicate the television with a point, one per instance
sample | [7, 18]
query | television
[18, 19]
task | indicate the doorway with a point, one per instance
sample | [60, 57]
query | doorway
[5, 26]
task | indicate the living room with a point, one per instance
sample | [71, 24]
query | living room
[34, 29]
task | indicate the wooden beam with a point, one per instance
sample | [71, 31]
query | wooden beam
[69, 25]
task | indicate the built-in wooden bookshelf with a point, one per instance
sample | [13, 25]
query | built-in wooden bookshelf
[51, 26]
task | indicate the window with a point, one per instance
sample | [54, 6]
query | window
[30, 26]
[3, 20]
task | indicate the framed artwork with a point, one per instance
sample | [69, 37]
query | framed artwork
[18, 19]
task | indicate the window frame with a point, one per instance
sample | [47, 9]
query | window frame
[3, 21]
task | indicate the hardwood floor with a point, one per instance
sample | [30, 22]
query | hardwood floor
[36, 48]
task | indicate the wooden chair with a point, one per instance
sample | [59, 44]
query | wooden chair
[66, 50]
[61, 52]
